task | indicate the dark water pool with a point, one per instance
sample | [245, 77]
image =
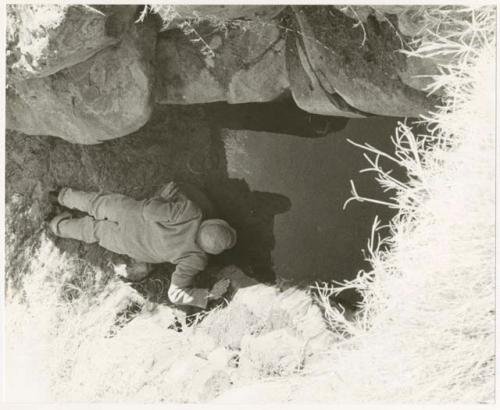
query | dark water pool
[315, 239]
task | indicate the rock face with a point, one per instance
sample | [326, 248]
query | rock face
[43, 39]
[86, 74]
[316, 53]
[408, 20]
[357, 76]
[259, 309]
[238, 66]
[306, 88]
[105, 97]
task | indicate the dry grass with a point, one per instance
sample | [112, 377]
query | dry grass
[57, 309]
[83, 337]
[425, 331]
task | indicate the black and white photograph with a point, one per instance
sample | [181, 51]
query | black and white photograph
[252, 203]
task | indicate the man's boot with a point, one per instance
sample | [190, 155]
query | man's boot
[54, 223]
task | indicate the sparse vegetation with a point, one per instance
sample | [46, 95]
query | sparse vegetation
[426, 324]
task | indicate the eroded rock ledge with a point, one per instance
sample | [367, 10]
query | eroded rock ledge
[89, 74]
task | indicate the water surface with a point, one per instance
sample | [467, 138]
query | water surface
[315, 238]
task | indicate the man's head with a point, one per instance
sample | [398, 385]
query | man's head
[216, 236]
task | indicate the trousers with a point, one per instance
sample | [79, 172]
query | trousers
[102, 225]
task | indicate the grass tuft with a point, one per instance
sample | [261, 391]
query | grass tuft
[425, 329]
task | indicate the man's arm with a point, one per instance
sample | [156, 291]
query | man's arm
[188, 296]
[181, 290]
[196, 296]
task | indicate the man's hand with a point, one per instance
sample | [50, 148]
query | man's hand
[219, 289]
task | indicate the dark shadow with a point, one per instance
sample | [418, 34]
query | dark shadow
[252, 214]
[281, 117]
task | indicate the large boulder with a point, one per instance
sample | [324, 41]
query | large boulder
[408, 22]
[208, 65]
[306, 89]
[105, 97]
[359, 72]
[258, 309]
[338, 61]
[85, 73]
[419, 72]
[43, 39]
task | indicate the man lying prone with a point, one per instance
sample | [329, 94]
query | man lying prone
[166, 228]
